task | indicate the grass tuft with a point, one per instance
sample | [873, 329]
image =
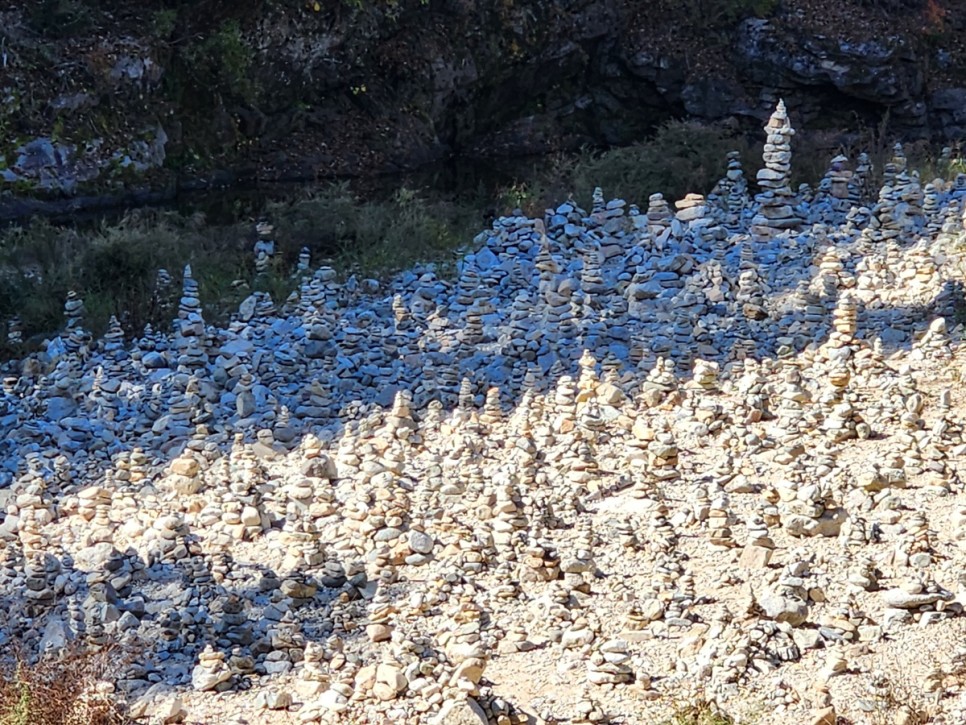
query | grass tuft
[66, 689]
[114, 266]
[702, 712]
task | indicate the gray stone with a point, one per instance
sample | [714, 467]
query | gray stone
[420, 542]
[784, 609]
[900, 599]
[54, 639]
[461, 712]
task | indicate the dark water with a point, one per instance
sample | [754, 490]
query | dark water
[468, 181]
[465, 180]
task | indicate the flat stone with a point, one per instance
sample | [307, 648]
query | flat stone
[276, 699]
[169, 710]
[378, 632]
[297, 590]
[185, 467]
[900, 599]
[823, 716]
[333, 701]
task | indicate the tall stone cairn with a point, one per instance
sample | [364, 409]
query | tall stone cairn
[776, 202]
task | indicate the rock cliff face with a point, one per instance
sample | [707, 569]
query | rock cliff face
[275, 89]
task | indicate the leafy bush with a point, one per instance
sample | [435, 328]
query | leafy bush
[374, 237]
[222, 61]
[112, 266]
[682, 157]
[701, 712]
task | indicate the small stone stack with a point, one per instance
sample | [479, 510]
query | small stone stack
[15, 331]
[719, 523]
[662, 457]
[660, 386]
[915, 600]
[609, 665]
[591, 279]
[579, 569]
[588, 711]
[792, 402]
[844, 327]
[659, 217]
[840, 185]
[191, 322]
[935, 343]
[915, 548]
[885, 223]
[264, 249]
[74, 310]
[809, 510]
[540, 562]
[861, 178]
[211, 672]
[932, 209]
[831, 278]
[734, 190]
[751, 295]
[759, 547]
[691, 208]
[472, 332]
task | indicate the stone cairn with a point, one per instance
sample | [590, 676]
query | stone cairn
[384, 501]
[776, 202]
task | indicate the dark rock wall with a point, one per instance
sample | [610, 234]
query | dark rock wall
[285, 88]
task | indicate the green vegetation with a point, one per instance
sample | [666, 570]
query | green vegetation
[56, 690]
[114, 265]
[687, 156]
[63, 18]
[682, 157]
[164, 22]
[699, 713]
[375, 238]
[222, 61]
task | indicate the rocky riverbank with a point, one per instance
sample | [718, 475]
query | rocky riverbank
[631, 458]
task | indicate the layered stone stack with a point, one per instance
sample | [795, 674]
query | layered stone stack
[776, 202]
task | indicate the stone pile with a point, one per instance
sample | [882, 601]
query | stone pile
[776, 212]
[488, 499]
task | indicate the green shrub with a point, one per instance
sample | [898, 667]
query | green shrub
[114, 266]
[164, 22]
[699, 713]
[682, 157]
[224, 61]
[374, 237]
